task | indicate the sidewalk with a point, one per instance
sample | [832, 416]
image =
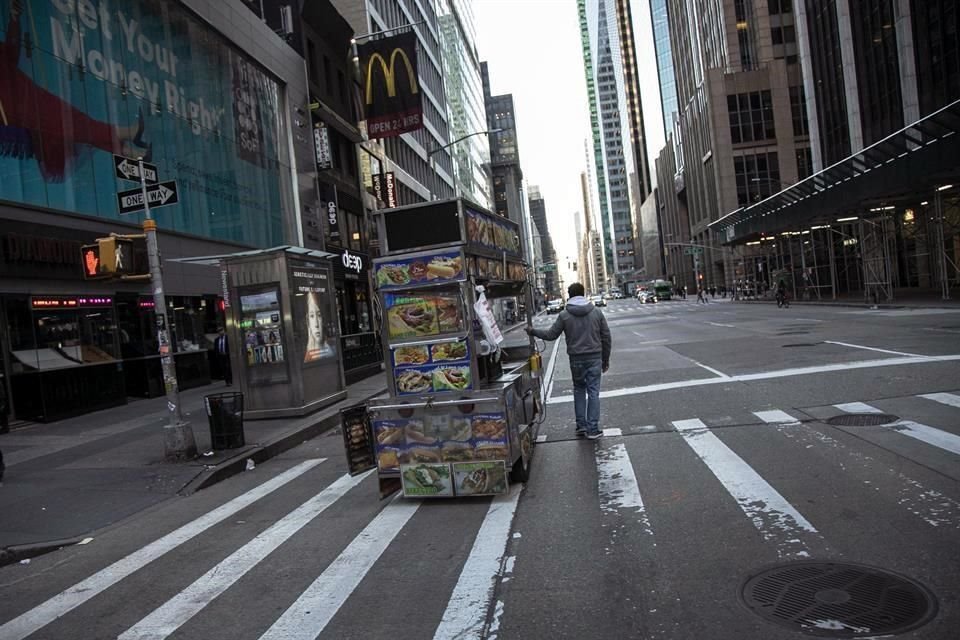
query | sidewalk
[901, 300]
[67, 479]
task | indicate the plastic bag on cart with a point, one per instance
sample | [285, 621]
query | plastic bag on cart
[487, 322]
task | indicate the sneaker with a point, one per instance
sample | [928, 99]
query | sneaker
[594, 435]
[580, 433]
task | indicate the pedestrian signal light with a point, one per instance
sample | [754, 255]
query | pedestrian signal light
[90, 261]
[116, 256]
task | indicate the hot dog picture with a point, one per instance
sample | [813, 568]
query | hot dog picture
[445, 267]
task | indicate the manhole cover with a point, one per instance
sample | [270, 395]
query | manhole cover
[838, 600]
[862, 419]
[800, 344]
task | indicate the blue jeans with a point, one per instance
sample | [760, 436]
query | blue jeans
[586, 393]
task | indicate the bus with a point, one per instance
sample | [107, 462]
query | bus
[663, 289]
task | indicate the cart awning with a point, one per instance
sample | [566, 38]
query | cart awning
[217, 259]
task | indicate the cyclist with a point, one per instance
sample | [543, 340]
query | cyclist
[782, 294]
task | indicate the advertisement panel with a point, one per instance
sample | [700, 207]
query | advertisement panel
[314, 317]
[81, 81]
[391, 85]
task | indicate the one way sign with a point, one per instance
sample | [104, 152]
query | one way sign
[159, 195]
[129, 169]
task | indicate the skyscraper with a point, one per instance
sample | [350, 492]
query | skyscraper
[465, 104]
[661, 45]
[548, 256]
[506, 175]
[623, 175]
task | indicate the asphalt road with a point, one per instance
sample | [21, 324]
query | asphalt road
[718, 465]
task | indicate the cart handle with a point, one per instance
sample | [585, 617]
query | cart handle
[419, 343]
[440, 403]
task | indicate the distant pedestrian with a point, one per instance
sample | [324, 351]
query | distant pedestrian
[700, 297]
[222, 348]
[588, 348]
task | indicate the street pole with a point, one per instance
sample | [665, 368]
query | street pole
[178, 440]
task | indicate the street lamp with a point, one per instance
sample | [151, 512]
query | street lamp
[435, 150]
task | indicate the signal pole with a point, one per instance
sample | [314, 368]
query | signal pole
[178, 440]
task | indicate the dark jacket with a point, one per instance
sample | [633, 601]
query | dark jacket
[585, 329]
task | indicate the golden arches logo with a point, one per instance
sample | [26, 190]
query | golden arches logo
[389, 73]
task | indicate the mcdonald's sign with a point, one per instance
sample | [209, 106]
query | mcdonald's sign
[391, 87]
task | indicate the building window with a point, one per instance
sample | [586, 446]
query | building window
[758, 177]
[312, 62]
[751, 117]
[878, 68]
[804, 163]
[780, 6]
[798, 109]
[327, 76]
[936, 24]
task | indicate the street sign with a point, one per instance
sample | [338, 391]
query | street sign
[547, 267]
[692, 251]
[129, 169]
[159, 195]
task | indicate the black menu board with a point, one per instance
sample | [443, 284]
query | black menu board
[357, 439]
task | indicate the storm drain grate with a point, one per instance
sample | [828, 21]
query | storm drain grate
[838, 600]
[862, 419]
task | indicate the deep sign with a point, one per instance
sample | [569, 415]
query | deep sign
[351, 261]
[159, 195]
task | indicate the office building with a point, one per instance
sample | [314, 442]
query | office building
[219, 106]
[590, 254]
[505, 172]
[466, 111]
[661, 45]
[546, 260]
[610, 67]
[742, 129]
[422, 168]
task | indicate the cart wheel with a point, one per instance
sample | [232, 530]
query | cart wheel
[521, 468]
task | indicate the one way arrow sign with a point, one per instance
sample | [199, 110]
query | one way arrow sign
[159, 195]
[129, 169]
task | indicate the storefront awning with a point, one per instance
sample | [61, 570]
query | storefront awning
[906, 165]
[216, 260]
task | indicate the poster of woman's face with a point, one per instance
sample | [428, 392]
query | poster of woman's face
[319, 343]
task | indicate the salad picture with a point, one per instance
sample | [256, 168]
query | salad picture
[426, 480]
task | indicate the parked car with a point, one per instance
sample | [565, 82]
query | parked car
[598, 301]
[555, 306]
[647, 297]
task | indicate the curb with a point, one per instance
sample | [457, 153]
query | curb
[857, 305]
[263, 452]
[15, 553]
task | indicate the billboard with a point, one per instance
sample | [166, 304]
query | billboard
[83, 80]
[391, 85]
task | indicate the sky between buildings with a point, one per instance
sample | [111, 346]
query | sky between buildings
[533, 51]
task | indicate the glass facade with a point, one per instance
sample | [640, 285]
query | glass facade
[936, 41]
[661, 43]
[827, 66]
[139, 78]
[878, 68]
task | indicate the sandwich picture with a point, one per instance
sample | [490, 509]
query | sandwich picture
[448, 310]
[449, 351]
[423, 454]
[445, 267]
[413, 381]
[393, 274]
[480, 478]
[456, 452]
[451, 378]
[415, 319]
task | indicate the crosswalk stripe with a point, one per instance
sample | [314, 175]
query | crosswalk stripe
[306, 618]
[951, 399]
[775, 518]
[178, 610]
[612, 432]
[65, 601]
[466, 611]
[617, 484]
[930, 435]
[857, 407]
[775, 416]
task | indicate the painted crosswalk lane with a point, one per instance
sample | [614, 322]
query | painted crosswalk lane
[627, 495]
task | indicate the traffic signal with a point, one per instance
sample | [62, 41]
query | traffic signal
[90, 261]
[116, 256]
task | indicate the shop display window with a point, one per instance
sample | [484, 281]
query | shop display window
[261, 328]
[61, 331]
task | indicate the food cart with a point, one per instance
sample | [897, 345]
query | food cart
[461, 411]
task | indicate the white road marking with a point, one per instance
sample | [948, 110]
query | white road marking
[306, 618]
[923, 433]
[550, 368]
[542, 437]
[466, 610]
[710, 369]
[720, 324]
[764, 375]
[612, 432]
[776, 416]
[860, 346]
[775, 518]
[857, 407]
[64, 602]
[617, 484]
[951, 399]
[169, 617]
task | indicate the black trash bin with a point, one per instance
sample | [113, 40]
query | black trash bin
[225, 414]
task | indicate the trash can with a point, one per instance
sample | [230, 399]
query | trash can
[225, 414]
